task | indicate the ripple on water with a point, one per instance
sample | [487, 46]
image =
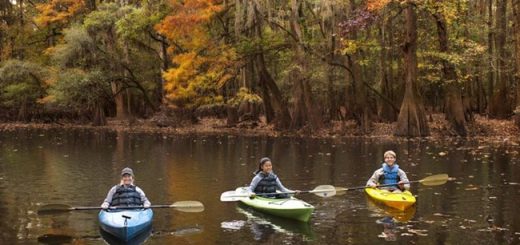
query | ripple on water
[233, 225]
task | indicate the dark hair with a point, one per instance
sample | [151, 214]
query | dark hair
[261, 164]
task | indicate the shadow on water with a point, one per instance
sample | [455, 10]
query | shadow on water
[55, 239]
[263, 226]
[140, 239]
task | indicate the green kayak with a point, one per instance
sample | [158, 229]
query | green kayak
[291, 208]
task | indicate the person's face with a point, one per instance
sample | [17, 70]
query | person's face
[267, 167]
[127, 179]
[390, 160]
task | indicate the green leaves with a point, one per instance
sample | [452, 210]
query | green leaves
[245, 95]
[75, 88]
[21, 82]
[77, 49]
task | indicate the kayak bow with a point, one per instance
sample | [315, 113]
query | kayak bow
[125, 224]
[401, 201]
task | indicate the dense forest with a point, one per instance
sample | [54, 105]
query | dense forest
[295, 63]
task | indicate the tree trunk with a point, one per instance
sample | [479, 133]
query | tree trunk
[281, 119]
[304, 110]
[500, 107]
[91, 5]
[516, 26]
[127, 93]
[454, 107]
[23, 111]
[99, 118]
[119, 100]
[384, 110]
[165, 58]
[358, 102]
[491, 60]
[412, 119]
[272, 96]
[331, 92]
[232, 116]
[266, 98]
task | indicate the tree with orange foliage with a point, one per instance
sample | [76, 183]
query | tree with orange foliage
[57, 14]
[201, 61]
[58, 11]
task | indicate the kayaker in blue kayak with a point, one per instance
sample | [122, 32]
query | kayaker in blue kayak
[265, 181]
[389, 173]
[126, 193]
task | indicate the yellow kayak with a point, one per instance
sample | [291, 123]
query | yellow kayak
[400, 201]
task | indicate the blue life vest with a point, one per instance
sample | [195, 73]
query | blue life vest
[126, 196]
[268, 185]
[390, 176]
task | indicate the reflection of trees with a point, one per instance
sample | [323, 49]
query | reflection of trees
[177, 168]
[51, 166]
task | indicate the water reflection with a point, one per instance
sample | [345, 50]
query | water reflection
[112, 240]
[379, 209]
[78, 166]
[391, 218]
[389, 228]
[58, 239]
[263, 227]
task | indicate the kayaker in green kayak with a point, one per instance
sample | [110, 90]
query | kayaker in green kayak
[126, 193]
[265, 181]
[390, 173]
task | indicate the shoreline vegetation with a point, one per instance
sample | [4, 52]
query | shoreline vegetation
[482, 128]
[297, 68]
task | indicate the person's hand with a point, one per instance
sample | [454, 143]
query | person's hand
[401, 184]
[297, 192]
[252, 196]
[105, 205]
[146, 205]
[372, 185]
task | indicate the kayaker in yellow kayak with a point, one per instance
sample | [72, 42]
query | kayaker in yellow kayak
[390, 173]
[126, 193]
[265, 181]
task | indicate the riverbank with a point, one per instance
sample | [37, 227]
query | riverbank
[481, 128]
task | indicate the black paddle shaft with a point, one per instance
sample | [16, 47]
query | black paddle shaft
[363, 187]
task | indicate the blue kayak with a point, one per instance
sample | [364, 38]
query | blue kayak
[125, 224]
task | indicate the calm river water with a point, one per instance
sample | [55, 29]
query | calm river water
[77, 167]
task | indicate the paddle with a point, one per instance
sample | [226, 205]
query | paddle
[184, 206]
[321, 190]
[438, 179]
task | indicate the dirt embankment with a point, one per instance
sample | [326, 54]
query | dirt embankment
[482, 127]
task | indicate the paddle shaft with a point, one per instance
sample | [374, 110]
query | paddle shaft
[292, 192]
[125, 207]
[363, 187]
[111, 208]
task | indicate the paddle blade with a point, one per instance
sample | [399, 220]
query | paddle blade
[54, 208]
[188, 206]
[232, 196]
[324, 191]
[438, 179]
[341, 190]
